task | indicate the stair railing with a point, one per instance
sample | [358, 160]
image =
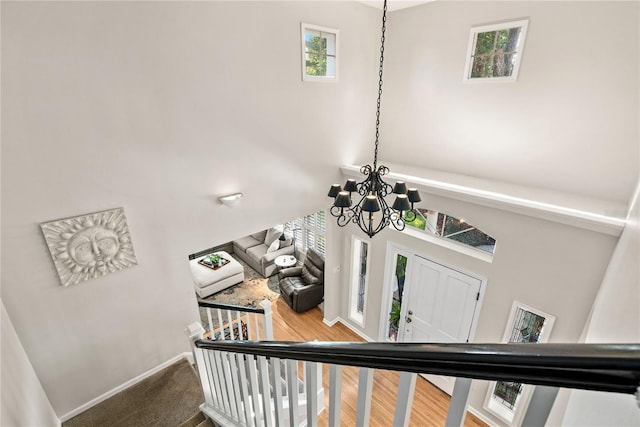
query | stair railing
[248, 390]
[226, 321]
[600, 367]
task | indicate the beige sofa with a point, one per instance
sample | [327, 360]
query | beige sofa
[260, 250]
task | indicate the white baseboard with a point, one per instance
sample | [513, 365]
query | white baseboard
[354, 329]
[330, 323]
[482, 417]
[93, 402]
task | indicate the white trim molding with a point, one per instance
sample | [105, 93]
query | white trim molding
[516, 199]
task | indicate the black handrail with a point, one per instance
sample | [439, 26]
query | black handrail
[210, 304]
[601, 367]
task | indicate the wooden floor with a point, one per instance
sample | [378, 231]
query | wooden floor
[430, 404]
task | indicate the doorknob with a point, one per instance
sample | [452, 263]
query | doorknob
[410, 312]
[408, 319]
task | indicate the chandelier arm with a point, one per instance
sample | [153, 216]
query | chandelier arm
[335, 211]
[410, 216]
[344, 219]
[396, 220]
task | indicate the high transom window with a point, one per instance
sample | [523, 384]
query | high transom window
[495, 51]
[319, 53]
[448, 227]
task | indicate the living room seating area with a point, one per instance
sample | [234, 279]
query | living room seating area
[260, 250]
[303, 287]
[300, 281]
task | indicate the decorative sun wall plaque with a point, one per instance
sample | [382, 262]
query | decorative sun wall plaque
[89, 246]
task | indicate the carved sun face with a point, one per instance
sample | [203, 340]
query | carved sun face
[89, 246]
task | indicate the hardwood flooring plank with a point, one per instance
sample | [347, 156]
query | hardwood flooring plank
[430, 404]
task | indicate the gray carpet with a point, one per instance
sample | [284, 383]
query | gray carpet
[167, 398]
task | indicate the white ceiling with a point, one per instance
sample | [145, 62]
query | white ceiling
[394, 4]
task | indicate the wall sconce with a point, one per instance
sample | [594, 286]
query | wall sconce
[231, 199]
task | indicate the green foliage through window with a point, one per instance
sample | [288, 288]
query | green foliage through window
[316, 55]
[319, 52]
[496, 50]
[446, 226]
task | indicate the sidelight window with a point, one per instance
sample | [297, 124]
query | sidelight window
[359, 275]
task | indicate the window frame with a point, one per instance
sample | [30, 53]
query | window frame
[356, 244]
[308, 78]
[301, 229]
[473, 35]
[431, 234]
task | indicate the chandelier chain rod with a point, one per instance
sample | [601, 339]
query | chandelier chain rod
[384, 26]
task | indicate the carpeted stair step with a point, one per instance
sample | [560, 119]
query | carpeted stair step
[197, 420]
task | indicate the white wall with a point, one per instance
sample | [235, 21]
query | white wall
[549, 266]
[159, 107]
[24, 402]
[615, 318]
[570, 122]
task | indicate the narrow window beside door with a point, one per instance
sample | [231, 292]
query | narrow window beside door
[395, 309]
[359, 262]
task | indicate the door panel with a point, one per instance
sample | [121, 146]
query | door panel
[440, 308]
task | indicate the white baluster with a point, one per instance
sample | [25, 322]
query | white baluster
[235, 372]
[335, 392]
[277, 390]
[210, 322]
[266, 394]
[406, 389]
[246, 399]
[239, 320]
[252, 335]
[255, 398]
[230, 320]
[228, 380]
[311, 390]
[215, 378]
[458, 405]
[220, 324]
[365, 386]
[220, 382]
[292, 392]
[255, 318]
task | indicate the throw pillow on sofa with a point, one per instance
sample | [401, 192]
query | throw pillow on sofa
[286, 242]
[272, 235]
[274, 246]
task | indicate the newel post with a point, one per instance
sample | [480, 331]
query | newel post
[267, 319]
[195, 332]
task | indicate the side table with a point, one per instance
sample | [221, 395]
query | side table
[285, 261]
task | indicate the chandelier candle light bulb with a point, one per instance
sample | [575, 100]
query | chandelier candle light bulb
[373, 189]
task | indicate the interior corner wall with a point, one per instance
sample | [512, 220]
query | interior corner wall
[552, 267]
[159, 107]
[24, 402]
[615, 318]
[570, 121]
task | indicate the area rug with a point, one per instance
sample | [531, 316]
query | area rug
[249, 293]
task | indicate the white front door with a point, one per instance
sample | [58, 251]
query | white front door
[439, 307]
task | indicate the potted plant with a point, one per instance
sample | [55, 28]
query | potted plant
[401, 270]
[213, 259]
[394, 318]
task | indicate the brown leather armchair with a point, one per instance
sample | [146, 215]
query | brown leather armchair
[303, 287]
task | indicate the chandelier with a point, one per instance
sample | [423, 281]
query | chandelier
[374, 189]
